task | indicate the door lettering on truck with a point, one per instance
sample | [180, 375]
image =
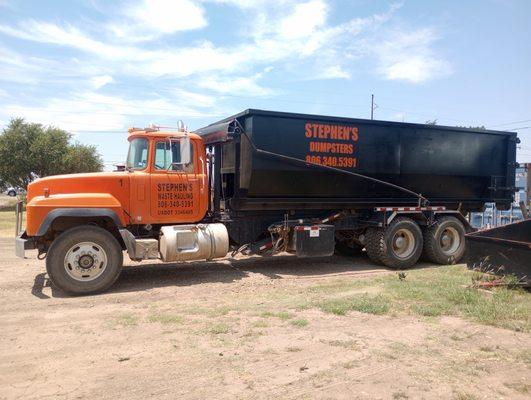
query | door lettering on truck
[175, 199]
[338, 147]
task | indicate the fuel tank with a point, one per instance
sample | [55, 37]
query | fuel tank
[193, 242]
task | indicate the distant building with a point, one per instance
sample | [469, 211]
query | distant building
[492, 217]
[522, 185]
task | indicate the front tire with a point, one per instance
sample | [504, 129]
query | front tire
[399, 245]
[444, 241]
[84, 260]
[12, 193]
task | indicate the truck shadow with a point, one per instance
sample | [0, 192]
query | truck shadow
[145, 276]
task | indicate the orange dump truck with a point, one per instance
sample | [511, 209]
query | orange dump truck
[264, 182]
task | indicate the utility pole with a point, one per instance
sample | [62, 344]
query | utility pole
[372, 106]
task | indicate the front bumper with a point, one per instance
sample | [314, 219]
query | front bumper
[22, 243]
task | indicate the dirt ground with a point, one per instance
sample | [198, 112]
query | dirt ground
[236, 329]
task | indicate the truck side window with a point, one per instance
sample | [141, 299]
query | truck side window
[138, 153]
[166, 158]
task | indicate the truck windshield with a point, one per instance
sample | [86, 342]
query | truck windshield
[138, 153]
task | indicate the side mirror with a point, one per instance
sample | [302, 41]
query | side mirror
[186, 156]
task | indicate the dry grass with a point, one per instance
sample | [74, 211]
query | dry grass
[7, 203]
[7, 224]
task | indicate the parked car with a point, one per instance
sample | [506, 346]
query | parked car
[13, 191]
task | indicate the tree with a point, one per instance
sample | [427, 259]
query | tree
[479, 128]
[27, 149]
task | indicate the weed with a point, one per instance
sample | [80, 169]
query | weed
[363, 303]
[301, 322]
[525, 356]
[465, 396]
[220, 328]
[346, 344]
[293, 349]
[126, 319]
[400, 395]
[429, 310]
[350, 364]
[338, 286]
[521, 387]
[166, 319]
[283, 315]
[260, 324]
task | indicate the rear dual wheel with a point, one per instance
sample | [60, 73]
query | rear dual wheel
[444, 241]
[399, 245]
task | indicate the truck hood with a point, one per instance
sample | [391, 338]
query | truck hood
[114, 183]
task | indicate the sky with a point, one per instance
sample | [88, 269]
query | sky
[96, 67]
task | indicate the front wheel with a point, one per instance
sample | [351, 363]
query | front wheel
[84, 260]
[399, 245]
[12, 193]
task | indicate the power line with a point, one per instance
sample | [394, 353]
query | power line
[423, 114]
[511, 123]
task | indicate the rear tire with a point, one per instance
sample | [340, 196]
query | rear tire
[12, 193]
[83, 260]
[444, 241]
[398, 246]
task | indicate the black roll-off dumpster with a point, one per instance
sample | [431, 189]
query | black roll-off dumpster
[450, 166]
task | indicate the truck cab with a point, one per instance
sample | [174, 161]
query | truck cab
[81, 223]
[167, 176]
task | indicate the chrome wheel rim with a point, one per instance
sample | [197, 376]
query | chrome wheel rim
[403, 243]
[85, 261]
[449, 241]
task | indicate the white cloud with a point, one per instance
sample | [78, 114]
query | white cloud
[69, 36]
[197, 100]
[17, 68]
[168, 16]
[333, 72]
[74, 113]
[408, 56]
[288, 34]
[304, 20]
[416, 69]
[102, 80]
[235, 85]
[92, 111]
[150, 19]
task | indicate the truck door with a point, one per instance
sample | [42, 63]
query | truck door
[139, 179]
[177, 185]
